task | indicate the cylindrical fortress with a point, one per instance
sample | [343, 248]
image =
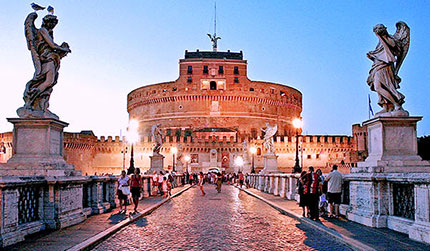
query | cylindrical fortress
[213, 91]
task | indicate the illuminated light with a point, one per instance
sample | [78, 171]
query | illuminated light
[174, 150]
[187, 158]
[253, 150]
[133, 125]
[298, 123]
[238, 161]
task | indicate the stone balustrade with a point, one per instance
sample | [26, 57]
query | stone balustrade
[400, 202]
[32, 204]
[283, 185]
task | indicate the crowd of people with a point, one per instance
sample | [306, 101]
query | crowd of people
[319, 194]
[162, 184]
[317, 191]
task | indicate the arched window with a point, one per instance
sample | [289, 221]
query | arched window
[258, 151]
[213, 85]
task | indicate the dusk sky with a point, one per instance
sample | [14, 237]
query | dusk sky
[317, 47]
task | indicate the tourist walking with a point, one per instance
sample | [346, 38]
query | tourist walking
[334, 190]
[201, 180]
[154, 183]
[160, 183]
[301, 183]
[241, 178]
[312, 192]
[219, 182]
[123, 191]
[165, 187]
[323, 199]
[136, 187]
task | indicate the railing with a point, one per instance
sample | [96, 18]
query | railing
[283, 185]
[403, 200]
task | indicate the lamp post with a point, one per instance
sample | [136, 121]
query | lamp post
[133, 138]
[253, 150]
[298, 124]
[174, 151]
[187, 159]
[123, 157]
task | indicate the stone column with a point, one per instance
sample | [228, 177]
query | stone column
[420, 230]
[283, 189]
[276, 186]
[261, 182]
[157, 164]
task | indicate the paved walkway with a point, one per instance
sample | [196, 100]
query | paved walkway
[71, 236]
[379, 239]
[230, 220]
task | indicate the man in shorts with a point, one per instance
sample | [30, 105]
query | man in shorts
[334, 190]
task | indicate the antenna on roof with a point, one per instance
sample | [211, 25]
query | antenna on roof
[213, 37]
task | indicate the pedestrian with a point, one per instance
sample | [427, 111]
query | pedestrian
[123, 191]
[322, 196]
[201, 180]
[154, 183]
[165, 187]
[312, 192]
[160, 183]
[334, 191]
[136, 187]
[219, 182]
[303, 203]
[191, 179]
[241, 178]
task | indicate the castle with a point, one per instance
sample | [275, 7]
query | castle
[213, 114]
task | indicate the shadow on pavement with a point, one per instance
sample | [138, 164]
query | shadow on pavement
[117, 218]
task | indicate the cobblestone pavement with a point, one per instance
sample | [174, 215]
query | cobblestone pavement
[231, 220]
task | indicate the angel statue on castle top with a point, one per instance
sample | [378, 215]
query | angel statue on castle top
[387, 59]
[46, 56]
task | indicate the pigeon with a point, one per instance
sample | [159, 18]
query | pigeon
[50, 10]
[37, 7]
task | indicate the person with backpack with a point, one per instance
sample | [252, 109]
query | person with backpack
[136, 187]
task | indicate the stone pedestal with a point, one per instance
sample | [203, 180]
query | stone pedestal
[392, 164]
[157, 164]
[392, 146]
[37, 149]
[270, 164]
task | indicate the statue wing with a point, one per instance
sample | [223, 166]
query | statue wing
[271, 131]
[31, 34]
[402, 37]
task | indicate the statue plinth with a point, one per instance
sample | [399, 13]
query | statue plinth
[37, 149]
[392, 146]
[270, 163]
[157, 164]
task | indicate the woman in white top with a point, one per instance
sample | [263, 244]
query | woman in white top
[123, 191]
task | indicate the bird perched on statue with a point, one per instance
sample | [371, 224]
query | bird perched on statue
[50, 10]
[36, 7]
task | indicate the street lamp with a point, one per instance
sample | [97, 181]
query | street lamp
[132, 138]
[124, 151]
[298, 124]
[187, 159]
[174, 151]
[253, 151]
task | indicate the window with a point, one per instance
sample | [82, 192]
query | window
[174, 89]
[189, 79]
[309, 156]
[154, 91]
[164, 90]
[221, 70]
[317, 156]
[236, 80]
[190, 69]
[251, 89]
[213, 85]
[205, 69]
[282, 93]
[236, 70]
[272, 91]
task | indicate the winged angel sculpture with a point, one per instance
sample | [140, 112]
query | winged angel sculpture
[387, 59]
[269, 132]
[46, 57]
